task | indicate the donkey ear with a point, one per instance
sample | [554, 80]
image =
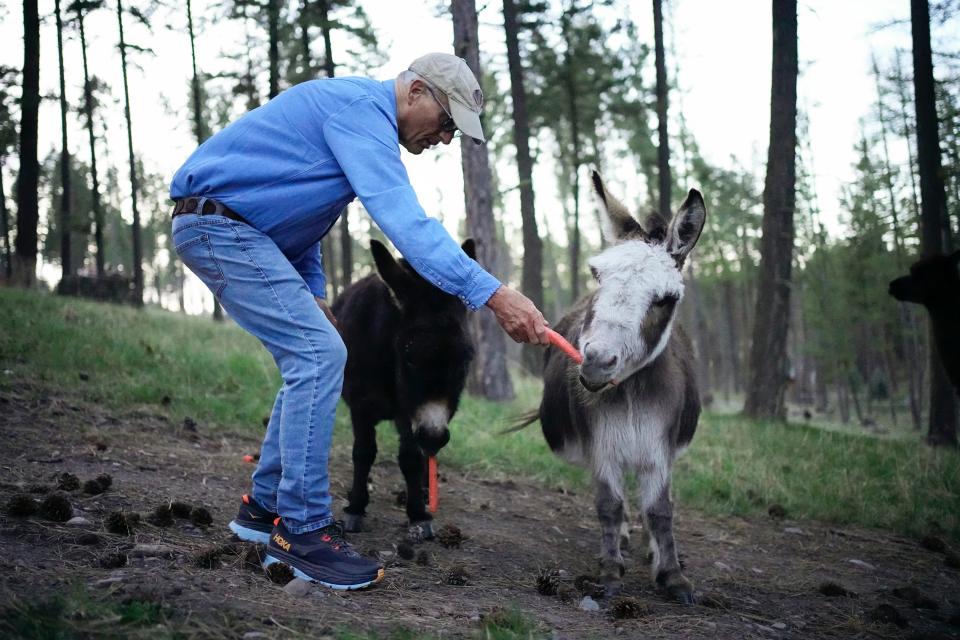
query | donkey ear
[391, 272]
[620, 225]
[686, 226]
[469, 247]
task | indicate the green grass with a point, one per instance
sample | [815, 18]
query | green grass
[128, 359]
[77, 614]
[223, 378]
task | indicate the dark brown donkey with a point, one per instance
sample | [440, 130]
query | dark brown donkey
[408, 352]
[934, 282]
[632, 405]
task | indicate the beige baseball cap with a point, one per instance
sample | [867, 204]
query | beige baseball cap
[451, 75]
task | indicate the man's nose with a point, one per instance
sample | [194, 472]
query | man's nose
[446, 137]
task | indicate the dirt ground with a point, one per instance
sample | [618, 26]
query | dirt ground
[758, 578]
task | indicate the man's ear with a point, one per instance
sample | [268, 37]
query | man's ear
[415, 91]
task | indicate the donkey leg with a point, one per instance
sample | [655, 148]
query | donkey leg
[657, 509]
[413, 464]
[364, 454]
[609, 502]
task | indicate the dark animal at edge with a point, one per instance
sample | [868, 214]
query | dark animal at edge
[934, 282]
[409, 352]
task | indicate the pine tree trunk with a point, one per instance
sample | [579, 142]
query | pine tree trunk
[532, 270]
[573, 114]
[95, 178]
[733, 383]
[28, 214]
[306, 66]
[5, 228]
[701, 333]
[663, 147]
[904, 113]
[199, 130]
[134, 188]
[768, 360]
[935, 228]
[495, 383]
[273, 27]
[329, 253]
[66, 258]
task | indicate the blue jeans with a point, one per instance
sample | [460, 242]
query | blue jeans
[264, 294]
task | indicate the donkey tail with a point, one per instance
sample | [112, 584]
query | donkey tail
[521, 422]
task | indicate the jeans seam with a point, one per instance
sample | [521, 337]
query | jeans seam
[316, 364]
[313, 526]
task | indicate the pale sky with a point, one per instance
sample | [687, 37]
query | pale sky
[723, 51]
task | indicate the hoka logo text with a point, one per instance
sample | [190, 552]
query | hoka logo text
[283, 544]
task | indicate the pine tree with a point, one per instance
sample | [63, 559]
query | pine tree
[494, 380]
[28, 213]
[768, 360]
[935, 225]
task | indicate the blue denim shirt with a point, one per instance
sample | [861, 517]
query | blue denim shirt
[290, 166]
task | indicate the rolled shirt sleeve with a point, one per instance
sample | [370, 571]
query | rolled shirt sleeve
[363, 139]
[309, 265]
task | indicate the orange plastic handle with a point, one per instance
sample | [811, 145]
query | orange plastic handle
[433, 495]
[561, 343]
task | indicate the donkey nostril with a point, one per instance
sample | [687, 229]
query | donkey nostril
[611, 362]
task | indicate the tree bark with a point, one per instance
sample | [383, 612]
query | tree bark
[95, 178]
[494, 379]
[935, 226]
[28, 214]
[346, 242]
[199, 130]
[532, 271]
[134, 188]
[768, 360]
[574, 116]
[273, 27]
[663, 147]
[66, 258]
[5, 228]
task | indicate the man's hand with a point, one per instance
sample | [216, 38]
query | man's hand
[518, 316]
[326, 311]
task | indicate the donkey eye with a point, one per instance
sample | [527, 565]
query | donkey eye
[595, 274]
[665, 301]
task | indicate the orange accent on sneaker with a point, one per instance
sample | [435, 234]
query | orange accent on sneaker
[246, 499]
[276, 521]
[379, 575]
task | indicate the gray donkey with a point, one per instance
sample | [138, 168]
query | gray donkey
[632, 405]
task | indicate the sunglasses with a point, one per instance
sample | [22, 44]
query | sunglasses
[447, 125]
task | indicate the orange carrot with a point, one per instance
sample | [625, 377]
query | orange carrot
[434, 491]
[561, 343]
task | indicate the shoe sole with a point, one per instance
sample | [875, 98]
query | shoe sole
[269, 560]
[249, 535]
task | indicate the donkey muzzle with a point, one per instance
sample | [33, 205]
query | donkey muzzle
[598, 368]
[430, 426]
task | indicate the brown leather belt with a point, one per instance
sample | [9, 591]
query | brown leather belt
[209, 207]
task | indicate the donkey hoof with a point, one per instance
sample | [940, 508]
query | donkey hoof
[352, 523]
[612, 589]
[682, 593]
[420, 531]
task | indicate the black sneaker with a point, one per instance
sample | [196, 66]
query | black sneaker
[322, 556]
[253, 523]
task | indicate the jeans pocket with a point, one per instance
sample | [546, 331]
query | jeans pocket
[197, 254]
